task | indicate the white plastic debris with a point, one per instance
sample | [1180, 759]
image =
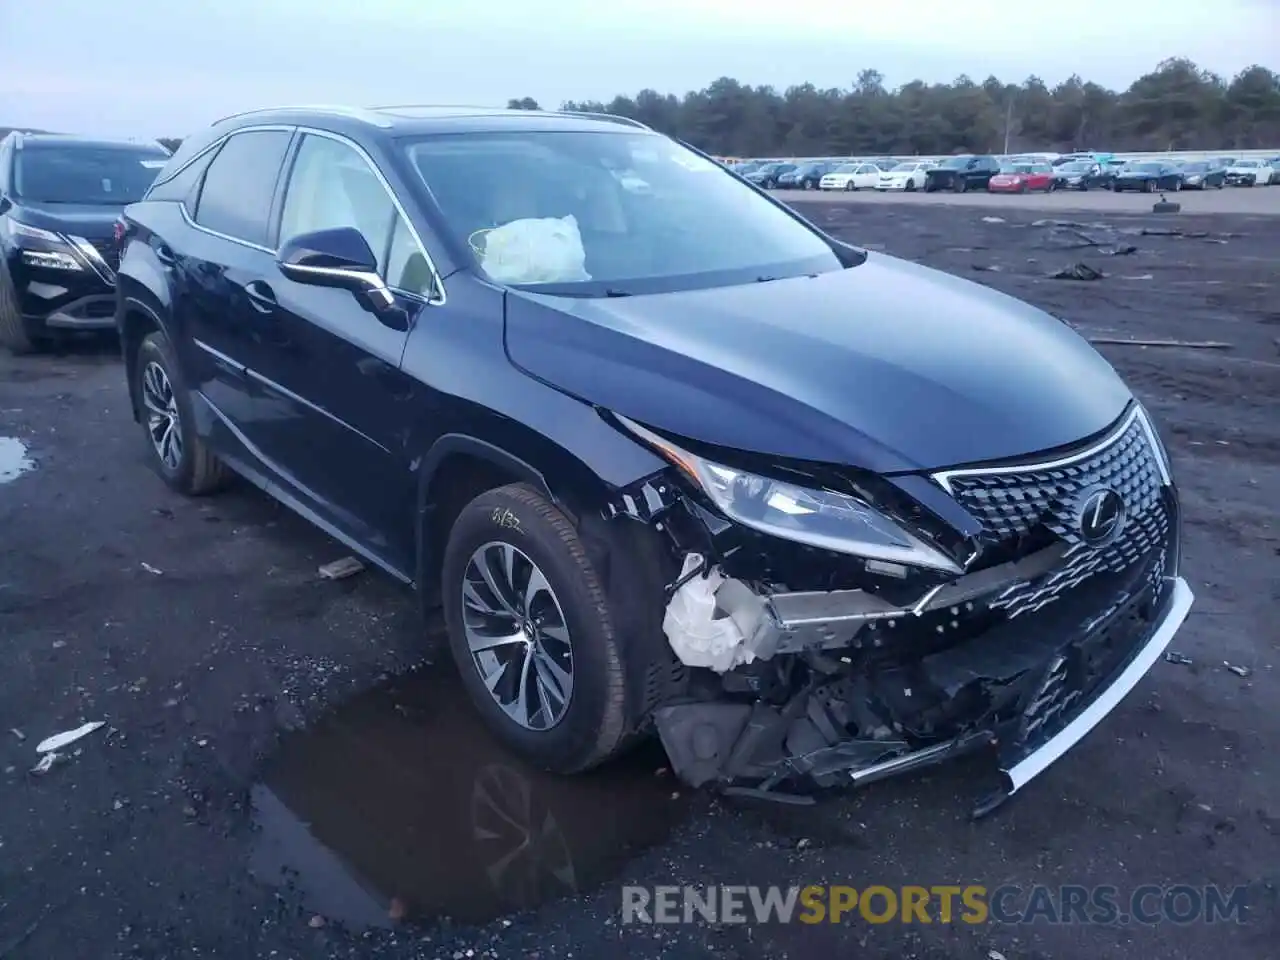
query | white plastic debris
[341, 569]
[547, 250]
[993, 219]
[150, 569]
[46, 763]
[700, 634]
[68, 737]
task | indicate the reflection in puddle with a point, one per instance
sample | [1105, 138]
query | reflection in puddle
[400, 800]
[13, 459]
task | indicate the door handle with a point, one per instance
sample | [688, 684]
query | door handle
[165, 255]
[261, 297]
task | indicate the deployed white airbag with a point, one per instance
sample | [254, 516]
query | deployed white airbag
[546, 250]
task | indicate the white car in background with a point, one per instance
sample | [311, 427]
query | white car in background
[1250, 173]
[908, 175]
[852, 176]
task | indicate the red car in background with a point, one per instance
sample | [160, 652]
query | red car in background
[1023, 177]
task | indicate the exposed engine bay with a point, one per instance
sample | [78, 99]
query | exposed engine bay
[808, 667]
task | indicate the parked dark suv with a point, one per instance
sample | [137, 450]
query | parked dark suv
[60, 201]
[961, 173]
[813, 514]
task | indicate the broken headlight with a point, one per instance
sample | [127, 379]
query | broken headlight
[819, 518]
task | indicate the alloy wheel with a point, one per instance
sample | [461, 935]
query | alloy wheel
[164, 423]
[518, 636]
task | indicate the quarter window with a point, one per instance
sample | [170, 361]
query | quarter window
[240, 183]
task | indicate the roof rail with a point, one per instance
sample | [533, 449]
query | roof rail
[354, 113]
[435, 106]
[615, 117]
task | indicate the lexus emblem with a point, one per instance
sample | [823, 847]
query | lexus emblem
[1101, 516]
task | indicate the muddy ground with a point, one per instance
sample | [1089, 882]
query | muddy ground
[244, 696]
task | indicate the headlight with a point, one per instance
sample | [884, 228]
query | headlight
[28, 232]
[819, 518]
[50, 259]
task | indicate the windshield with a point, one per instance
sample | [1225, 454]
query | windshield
[652, 216]
[1247, 163]
[76, 173]
[845, 168]
[1195, 167]
[1015, 168]
[903, 168]
[1076, 166]
[955, 163]
[1145, 167]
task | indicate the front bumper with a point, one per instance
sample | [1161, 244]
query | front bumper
[1241, 179]
[62, 299]
[1020, 656]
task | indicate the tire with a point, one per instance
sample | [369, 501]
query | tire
[596, 718]
[850, 186]
[1149, 186]
[13, 332]
[961, 185]
[910, 187]
[191, 468]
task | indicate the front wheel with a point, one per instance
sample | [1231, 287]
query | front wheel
[13, 331]
[174, 449]
[532, 632]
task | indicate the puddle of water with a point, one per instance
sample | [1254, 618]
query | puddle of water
[401, 800]
[13, 459]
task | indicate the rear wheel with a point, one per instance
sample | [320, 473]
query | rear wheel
[174, 449]
[13, 332]
[534, 634]
[850, 186]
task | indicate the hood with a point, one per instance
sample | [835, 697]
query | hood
[91, 221]
[888, 366]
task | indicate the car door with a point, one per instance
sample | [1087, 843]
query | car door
[218, 260]
[334, 401]
[867, 176]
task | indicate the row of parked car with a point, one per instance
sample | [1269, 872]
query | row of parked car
[1011, 174]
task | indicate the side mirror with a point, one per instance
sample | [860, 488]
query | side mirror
[339, 257]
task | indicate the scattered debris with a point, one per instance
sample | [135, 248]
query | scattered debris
[68, 737]
[396, 910]
[1166, 206]
[150, 569]
[316, 922]
[46, 763]
[987, 268]
[341, 569]
[1078, 271]
[1181, 659]
[1239, 671]
[995, 955]
[18, 733]
[1188, 344]
[993, 219]
[1142, 276]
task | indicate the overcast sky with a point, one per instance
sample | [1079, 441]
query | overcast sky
[163, 67]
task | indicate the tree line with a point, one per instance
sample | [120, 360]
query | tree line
[1177, 106]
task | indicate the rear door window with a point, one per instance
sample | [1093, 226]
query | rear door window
[240, 184]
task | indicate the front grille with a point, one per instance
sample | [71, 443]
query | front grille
[1043, 503]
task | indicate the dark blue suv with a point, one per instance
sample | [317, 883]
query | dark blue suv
[672, 459]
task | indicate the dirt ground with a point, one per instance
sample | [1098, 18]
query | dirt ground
[283, 774]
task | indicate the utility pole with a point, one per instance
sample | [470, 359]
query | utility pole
[1008, 122]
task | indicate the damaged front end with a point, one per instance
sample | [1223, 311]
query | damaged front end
[1009, 606]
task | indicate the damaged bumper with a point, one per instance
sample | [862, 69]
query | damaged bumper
[1020, 657]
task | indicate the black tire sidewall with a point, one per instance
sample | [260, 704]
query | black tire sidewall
[156, 348]
[574, 742]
